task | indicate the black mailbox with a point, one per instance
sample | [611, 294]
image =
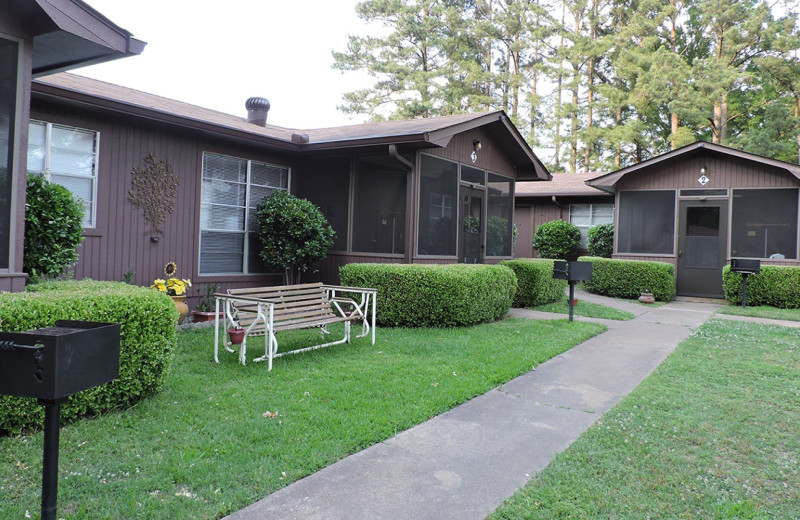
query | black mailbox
[59, 361]
[572, 271]
[746, 265]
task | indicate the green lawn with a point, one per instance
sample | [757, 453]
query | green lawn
[762, 312]
[587, 309]
[713, 433]
[219, 437]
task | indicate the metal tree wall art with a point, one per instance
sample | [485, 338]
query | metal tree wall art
[153, 188]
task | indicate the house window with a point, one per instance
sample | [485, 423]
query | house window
[646, 222]
[231, 190]
[9, 51]
[764, 223]
[66, 155]
[498, 227]
[586, 216]
[438, 188]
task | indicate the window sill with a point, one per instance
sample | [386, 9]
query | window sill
[91, 232]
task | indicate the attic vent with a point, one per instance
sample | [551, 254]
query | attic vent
[300, 138]
[257, 108]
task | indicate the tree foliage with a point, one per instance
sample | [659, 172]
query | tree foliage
[53, 228]
[594, 84]
[294, 234]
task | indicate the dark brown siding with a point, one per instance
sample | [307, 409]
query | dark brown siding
[122, 239]
[723, 172]
[489, 157]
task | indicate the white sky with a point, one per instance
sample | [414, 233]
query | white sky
[217, 54]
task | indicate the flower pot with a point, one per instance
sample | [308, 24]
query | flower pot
[201, 316]
[183, 309]
[236, 336]
[647, 298]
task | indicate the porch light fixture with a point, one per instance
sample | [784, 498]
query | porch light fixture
[476, 145]
[703, 180]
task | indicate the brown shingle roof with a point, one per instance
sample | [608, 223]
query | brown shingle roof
[572, 184]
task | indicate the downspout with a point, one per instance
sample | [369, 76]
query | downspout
[411, 198]
[559, 206]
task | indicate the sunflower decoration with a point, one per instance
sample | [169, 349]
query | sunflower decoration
[173, 285]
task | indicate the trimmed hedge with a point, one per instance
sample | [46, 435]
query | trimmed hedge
[535, 282]
[416, 295]
[628, 278]
[147, 342]
[776, 286]
[600, 240]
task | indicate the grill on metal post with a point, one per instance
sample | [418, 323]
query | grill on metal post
[745, 266]
[50, 364]
[572, 272]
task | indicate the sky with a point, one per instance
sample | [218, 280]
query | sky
[217, 54]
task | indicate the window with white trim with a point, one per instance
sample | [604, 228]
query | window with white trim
[586, 216]
[67, 155]
[231, 190]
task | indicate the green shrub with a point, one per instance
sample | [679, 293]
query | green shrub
[557, 239]
[600, 240]
[535, 282]
[53, 228]
[147, 342]
[294, 234]
[413, 295]
[628, 278]
[776, 286]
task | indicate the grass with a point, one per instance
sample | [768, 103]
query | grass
[587, 309]
[713, 433]
[762, 311]
[219, 437]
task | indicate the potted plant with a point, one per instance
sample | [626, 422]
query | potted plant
[236, 334]
[647, 297]
[205, 308]
[175, 288]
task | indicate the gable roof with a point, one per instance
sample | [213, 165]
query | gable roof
[609, 181]
[70, 33]
[414, 133]
[562, 184]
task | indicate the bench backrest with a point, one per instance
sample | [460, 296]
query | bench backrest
[295, 305]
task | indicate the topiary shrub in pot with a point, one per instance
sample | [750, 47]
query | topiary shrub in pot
[557, 239]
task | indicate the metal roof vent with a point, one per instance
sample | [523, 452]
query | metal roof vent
[257, 108]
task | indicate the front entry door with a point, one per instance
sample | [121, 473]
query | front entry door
[702, 247]
[472, 226]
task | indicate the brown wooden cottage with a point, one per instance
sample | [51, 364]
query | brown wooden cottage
[700, 205]
[39, 37]
[566, 197]
[425, 191]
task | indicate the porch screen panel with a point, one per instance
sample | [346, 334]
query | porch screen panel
[646, 222]
[8, 101]
[326, 183]
[437, 211]
[379, 207]
[499, 226]
[764, 223]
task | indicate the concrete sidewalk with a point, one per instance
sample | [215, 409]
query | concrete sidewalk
[465, 462]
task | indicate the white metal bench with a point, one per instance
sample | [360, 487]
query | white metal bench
[268, 310]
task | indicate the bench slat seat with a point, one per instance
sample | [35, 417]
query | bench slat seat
[268, 310]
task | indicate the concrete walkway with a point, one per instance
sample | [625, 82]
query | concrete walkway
[465, 462]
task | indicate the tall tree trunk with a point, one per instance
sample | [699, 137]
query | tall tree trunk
[618, 152]
[559, 81]
[589, 108]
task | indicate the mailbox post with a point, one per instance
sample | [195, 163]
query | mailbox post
[572, 272]
[746, 267]
[51, 364]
